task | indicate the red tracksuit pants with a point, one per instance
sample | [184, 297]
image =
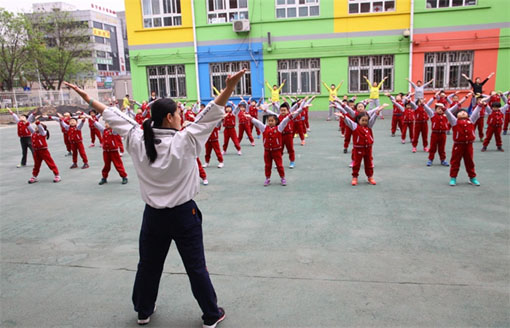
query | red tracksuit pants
[245, 127]
[479, 125]
[77, 147]
[307, 121]
[362, 154]
[507, 121]
[347, 138]
[209, 146]
[342, 126]
[299, 128]
[408, 126]
[43, 155]
[230, 133]
[288, 142]
[95, 133]
[109, 157]
[423, 129]
[396, 121]
[276, 156]
[67, 142]
[462, 151]
[437, 143]
[201, 171]
[496, 130]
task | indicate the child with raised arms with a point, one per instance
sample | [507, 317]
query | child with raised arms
[41, 152]
[24, 134]
[273, 143]
[363, 139]
[495, 124]
[75, 138]
[463, 137]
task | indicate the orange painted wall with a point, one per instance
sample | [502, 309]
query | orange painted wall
[485, 44]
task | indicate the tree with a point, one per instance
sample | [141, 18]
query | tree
[15, 46]
[65, 51]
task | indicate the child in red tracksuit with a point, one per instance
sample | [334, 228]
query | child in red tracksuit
[420, 124]
[189, 117]
[299, 127]
[213, 143]
[439, 128]
[273, 142]
[41, 152]
[397, 117]
[110, 153]
[244, 122]
[92, 118]
[229, 131]
[75, 138]
[363, 139]
[463, 127]
[479, 125]
[288, 132]
[66, 117]
[506, 100]
[254, 112]
[494, 124]
[24, 135]
[407, 117]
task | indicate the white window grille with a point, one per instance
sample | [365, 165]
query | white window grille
[223, 11]
[375, 68]
[446, 68]
[167, 81]
[159, 13]
[302, 75]
[297, 8]
[370, 6]
[220, 71]
[449, 3]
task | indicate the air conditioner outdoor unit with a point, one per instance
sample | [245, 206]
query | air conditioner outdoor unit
[242, 25]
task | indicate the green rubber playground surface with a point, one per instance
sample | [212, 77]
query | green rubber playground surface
[411, 251]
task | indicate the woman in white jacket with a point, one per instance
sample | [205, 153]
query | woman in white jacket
[164, 157]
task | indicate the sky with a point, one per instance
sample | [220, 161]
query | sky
[26, 5]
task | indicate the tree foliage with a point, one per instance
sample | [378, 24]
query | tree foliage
[64, 52]
[15, 46]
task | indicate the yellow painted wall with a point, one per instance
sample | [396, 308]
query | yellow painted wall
[137, 35]
[393, 20]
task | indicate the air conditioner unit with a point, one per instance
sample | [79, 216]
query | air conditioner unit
[242, 25]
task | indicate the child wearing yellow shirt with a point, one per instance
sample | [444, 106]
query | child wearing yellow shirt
[374, 91]
[333, 93]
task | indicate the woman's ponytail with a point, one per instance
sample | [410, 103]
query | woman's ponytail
[47, 131]
[159, 111]
[148, 139]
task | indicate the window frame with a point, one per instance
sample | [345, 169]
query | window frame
[216, 72]
[227, 11]
[174, 15]
[450, 4]
[447, 65]
[297, 6]
[370, 68]
[298, 69]
[178, 76]
[372, 6]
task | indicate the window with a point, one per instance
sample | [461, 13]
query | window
[222, 11]
[370, 6]
[158, 13]
[446, 68]
[375, 68]
[220, 71]
[302, 75]
[296, 8]
[167, 81]
[449, 3]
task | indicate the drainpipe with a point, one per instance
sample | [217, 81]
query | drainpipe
[411, 40]
[195, 50]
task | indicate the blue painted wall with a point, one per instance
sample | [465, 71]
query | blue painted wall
[251, 52]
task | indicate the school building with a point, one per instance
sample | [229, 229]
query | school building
[181, 48]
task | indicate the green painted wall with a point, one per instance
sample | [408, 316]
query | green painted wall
[140, 59]
[502, 75]
[484, 12]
